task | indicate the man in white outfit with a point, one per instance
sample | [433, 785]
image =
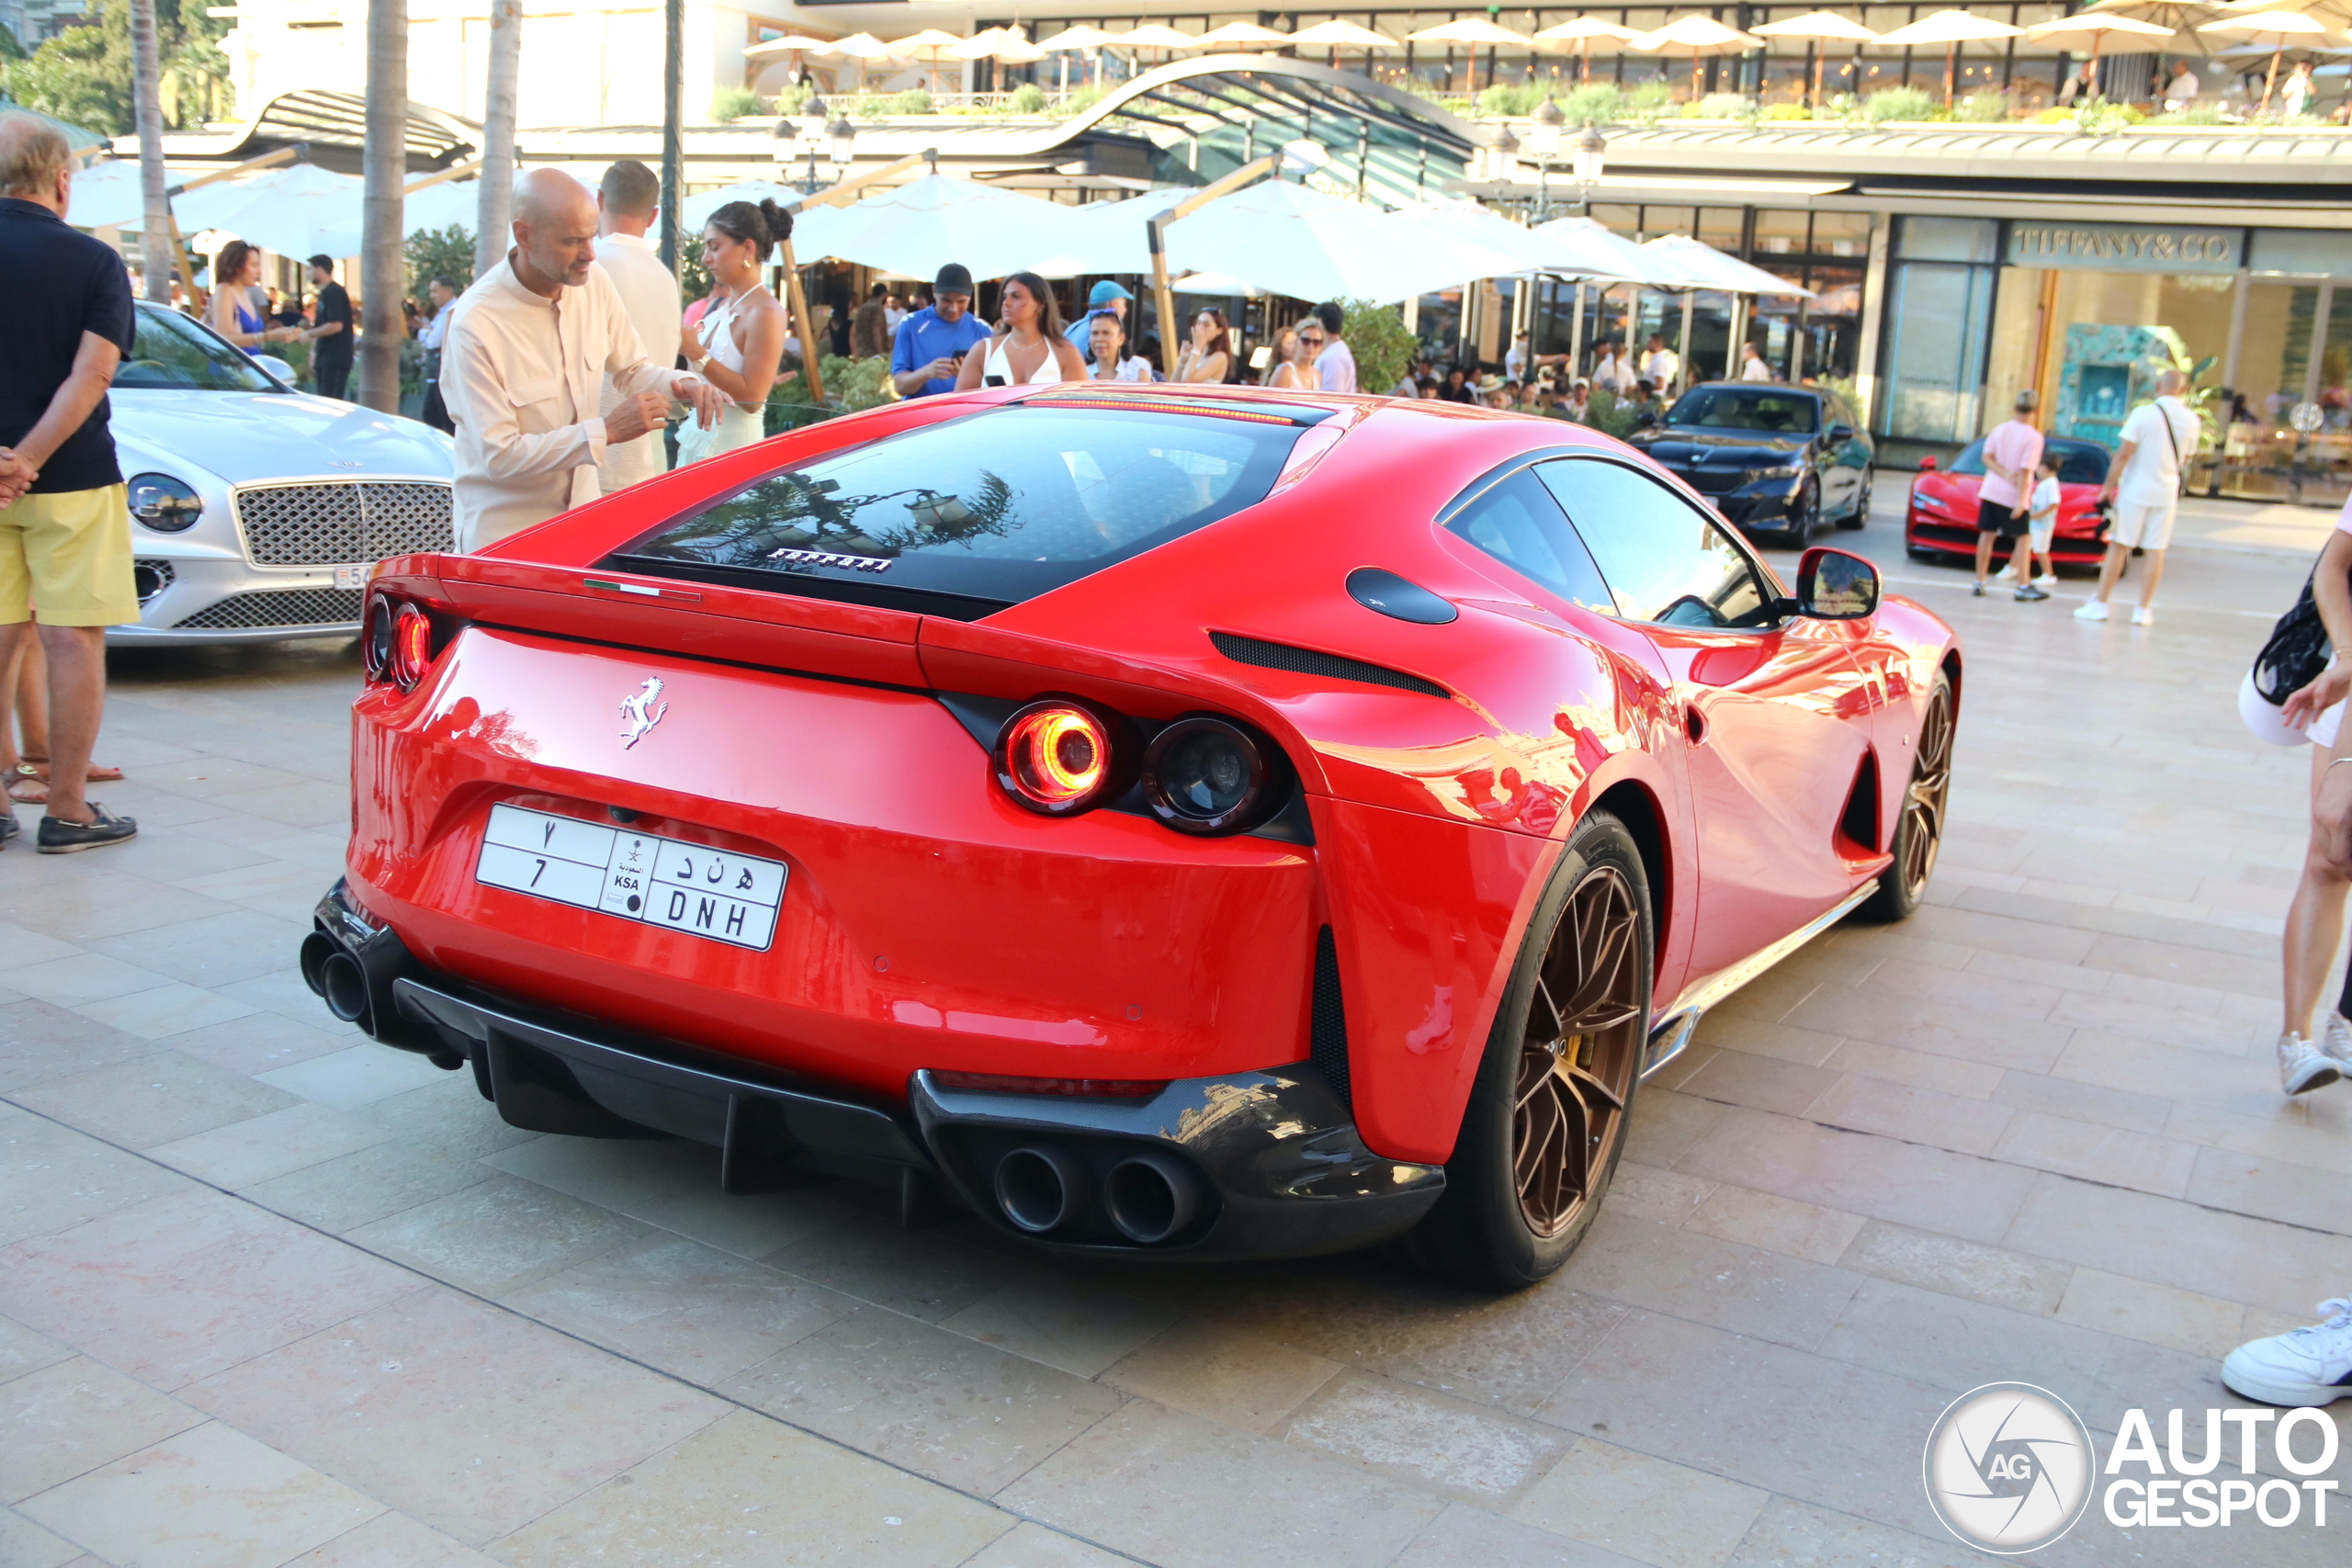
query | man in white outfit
[2144, 482]
[626, 203]
[522, 364]
[1660, 366]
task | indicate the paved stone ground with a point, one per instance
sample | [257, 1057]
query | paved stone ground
[274, 1295]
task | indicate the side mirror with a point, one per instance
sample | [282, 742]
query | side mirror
[1926, 465]
[1835, 586]
[1841, 434]
[276, 366]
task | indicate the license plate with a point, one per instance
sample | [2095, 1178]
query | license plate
[636, 876]
[354, 576]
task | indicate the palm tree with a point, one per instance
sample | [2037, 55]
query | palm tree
[492, 216]
[384, 164]
[155, 246]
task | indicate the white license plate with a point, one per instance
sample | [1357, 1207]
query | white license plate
[636, 876]
[354, 576]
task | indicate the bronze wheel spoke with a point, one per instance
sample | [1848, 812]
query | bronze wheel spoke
[1923, 803]
[1583, 1037]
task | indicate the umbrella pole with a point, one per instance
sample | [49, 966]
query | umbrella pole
[1951, 58]
[2271, 80]
[1586, 75]
[1820, 52]
[1694, 73]
[800, 298]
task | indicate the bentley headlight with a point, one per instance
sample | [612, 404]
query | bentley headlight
[163, 503]
[1785, 471]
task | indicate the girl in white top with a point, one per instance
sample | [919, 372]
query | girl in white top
[1106, 335]
[739, 344]
[1028, 348]
[1296, 371]
[1209, 356]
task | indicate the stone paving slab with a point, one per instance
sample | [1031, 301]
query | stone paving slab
[270, 1294]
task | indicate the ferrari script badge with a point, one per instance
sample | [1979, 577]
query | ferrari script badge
[640, 711]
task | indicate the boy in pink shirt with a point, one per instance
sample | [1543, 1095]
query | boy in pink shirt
[2011, 450]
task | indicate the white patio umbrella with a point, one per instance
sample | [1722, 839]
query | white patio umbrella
[929, 47]
[695, 211]
[917, 227]
[1547, 248]
[1586, 32]
[790, 43]
[1594, 250]
[1474, 31]
[1154, 35]
[1343, 35]
[2280, 27]
[1081, 35]
[2098, 27]
[1703, 266]
[107, 195]
[861, 47]
[1240, 34]
[299, 210]
[1825, 27]
[1701, 36]
[1951, 28]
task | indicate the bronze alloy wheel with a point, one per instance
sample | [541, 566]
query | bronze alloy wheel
[1922, 832]
[1579, 1050]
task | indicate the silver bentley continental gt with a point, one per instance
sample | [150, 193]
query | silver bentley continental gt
[256, 510]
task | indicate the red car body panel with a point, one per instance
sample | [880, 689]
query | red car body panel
[930, 923]
[1939, 516]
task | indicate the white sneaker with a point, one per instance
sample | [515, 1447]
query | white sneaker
[2301, 1066]
[2047, 579]
[2143, 617]
[2093, 610]
[2303, 1367]
[2335, 1040]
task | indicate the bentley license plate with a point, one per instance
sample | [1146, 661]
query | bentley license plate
[635, 876]
[354, 576]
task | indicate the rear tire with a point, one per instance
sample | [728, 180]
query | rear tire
[1546, 1119]
[1919, 829]
[1861, 515]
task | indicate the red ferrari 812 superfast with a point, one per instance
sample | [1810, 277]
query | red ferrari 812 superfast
[1176, 822]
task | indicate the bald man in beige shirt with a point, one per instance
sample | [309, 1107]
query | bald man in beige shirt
[528, 351]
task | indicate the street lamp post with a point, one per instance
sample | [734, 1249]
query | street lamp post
[1543, 145]
[1592, 148]
[812, 137]
[843, 137]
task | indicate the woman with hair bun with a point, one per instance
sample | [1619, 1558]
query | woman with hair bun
[236, 271]
[739, 342]
[1028, 348]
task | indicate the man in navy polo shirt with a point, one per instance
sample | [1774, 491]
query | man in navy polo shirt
[931, 343]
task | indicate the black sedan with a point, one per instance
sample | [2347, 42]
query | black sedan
[1774, 459]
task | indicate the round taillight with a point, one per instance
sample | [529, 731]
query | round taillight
[376, 640]
[1058, 757]
[1204, 774]
[411, 647]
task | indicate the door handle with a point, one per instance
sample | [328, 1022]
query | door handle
[1694, 723]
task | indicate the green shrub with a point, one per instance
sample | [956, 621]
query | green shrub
[2195, 114]
[731, 104]
[789, 99]
[1787, 111]
[1898, 104]
[1724, 105]
[2054, 116]
[1084, 99]
[1982, 108]
[1608, 415]
[1598, 102]
[1650, 101]
[1027, 98]
[914, 100]
[1506, 99]
[1383, 344]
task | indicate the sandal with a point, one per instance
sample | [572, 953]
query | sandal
[98, 772]
[28, 786]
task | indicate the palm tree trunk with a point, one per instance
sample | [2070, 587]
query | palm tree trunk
[494, 211]
[384, 164]
[155, 223]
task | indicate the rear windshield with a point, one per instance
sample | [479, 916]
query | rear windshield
[2079, 462]
[1776, 410]
[970, 515]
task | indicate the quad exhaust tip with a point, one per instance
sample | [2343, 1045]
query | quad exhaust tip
[1151, 1197]
[1041, 1188]
[329, 969]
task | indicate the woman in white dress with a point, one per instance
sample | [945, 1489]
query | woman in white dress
[1028, 348]
[1106, 335]
[1298, 370]
[739, 344]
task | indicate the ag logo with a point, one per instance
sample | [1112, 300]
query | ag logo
[2008, 1468]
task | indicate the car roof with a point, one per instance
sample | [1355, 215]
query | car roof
[1757, 386]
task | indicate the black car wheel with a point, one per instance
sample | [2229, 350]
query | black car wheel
[1862, 513]
[1804, 515]
[1920, 830]
[1546, 1118]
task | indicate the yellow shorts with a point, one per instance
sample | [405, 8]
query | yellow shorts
[67, 556]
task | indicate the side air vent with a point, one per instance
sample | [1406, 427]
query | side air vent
[1307, 661]
[1326, 1032]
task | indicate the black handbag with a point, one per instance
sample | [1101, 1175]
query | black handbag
[2298, 650]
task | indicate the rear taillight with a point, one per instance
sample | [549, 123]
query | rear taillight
[1207, 775]
[1059, 757]
[397, 642]
[1076, 1088]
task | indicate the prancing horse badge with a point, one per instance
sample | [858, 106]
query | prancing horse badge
[640, 711]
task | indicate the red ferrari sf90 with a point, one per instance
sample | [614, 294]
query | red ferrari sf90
[1170, 822]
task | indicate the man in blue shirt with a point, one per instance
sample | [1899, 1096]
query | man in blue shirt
[932, 343]
[1106, 296]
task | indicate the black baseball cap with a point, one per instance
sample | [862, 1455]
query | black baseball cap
[954, 279]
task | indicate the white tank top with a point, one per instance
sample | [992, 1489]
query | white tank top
[716, 333]
[1001, 367]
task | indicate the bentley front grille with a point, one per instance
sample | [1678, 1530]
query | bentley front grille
[343, 521]
[279, 607]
